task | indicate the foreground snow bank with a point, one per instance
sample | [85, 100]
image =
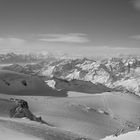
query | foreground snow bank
[135, 135]
[8, 134]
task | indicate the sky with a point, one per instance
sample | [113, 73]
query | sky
[75, 27]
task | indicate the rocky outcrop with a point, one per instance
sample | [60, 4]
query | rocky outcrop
[21, 110]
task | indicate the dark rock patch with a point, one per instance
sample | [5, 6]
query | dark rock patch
[21, 110]
[24, 82]
[7, 83]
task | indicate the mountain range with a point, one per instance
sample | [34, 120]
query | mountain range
[119, 74]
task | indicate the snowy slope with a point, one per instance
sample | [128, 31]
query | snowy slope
[134, 135]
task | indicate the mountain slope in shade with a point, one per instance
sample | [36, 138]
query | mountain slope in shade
[19, 84]
[79, 86]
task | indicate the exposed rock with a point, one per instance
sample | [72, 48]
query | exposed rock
[24, 82]
[119, 132]
[138, 128]
[21, 110]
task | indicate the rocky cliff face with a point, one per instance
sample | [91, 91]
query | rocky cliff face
[21, 110]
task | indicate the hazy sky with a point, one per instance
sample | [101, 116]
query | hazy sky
[77, 27]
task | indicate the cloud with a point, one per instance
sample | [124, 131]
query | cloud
[1, 39]
[136, 37]
[136, 4]
[67, 38]
[11, 41]
[10, 44]
[16, 41]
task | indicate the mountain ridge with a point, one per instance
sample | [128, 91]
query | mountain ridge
[120, 73]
